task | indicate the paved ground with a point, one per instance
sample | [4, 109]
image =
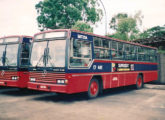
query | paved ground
[115, 104]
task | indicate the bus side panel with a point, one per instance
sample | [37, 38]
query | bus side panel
[114, 80]
[130, 78]
[107, 81]
[150, 76]
[121, 80]
[78, 83]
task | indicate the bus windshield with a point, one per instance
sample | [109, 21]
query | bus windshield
[8, 54]
[48, 53]
[2, 49]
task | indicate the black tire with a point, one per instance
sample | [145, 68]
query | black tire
[93, 89]
[139, 82]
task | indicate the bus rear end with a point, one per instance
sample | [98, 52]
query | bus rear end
[14, 61]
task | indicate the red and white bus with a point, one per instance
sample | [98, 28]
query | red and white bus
[14, 60]
[70, 61]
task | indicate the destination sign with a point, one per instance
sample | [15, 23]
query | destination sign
[82, 37]
[55, 34]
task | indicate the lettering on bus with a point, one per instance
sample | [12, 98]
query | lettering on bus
[82, 37]
[119, 67]
[114, 78]
[99, 67]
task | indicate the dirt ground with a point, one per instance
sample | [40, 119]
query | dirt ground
[115, 104]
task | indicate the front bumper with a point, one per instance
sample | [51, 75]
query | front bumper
[8, 83]
[48, 87]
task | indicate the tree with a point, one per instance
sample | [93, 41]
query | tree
[157, 31]
[54, 14]
[83, 27]
[125, 27]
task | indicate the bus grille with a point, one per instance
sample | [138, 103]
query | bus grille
[47, 78]
[7, 75]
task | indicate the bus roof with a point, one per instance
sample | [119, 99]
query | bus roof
[95, 35]
[20, 38]
[10, 36]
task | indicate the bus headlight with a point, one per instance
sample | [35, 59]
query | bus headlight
[32, 79]
[62, 81]
[14, 77]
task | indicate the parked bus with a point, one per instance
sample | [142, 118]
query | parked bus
[70, 61]
[14, 61]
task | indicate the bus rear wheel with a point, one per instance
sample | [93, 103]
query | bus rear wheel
[93, 89]
[139, 82]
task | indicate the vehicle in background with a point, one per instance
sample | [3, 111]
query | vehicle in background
[14, 61]
[71, 61]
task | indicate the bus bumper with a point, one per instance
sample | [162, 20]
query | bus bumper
[8, 83]
[20, 81]
[48, 87]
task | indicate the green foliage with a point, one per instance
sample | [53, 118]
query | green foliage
[157, 31]
[83, 27]
[54, 14]
[125, 27]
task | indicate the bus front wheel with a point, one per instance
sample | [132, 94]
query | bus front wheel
[139, 82]
[93, 89]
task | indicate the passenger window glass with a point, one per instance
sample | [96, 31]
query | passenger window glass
[102, 50]
[105, 44]
[141, 54]
[80, 53]
[114, 45]
[114, 51]
[97, 42]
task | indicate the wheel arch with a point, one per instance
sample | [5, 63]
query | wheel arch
[100, 80]
[141, 74]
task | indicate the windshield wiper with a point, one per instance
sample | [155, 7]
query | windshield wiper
[39, 61]
[45, 57]
[4, 58]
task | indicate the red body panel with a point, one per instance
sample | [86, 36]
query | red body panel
[48, 87]
[79, 82]
[6, 79]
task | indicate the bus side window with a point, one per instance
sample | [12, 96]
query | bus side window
[147, 55]
[152, 55]
[141, 54]
[120, 51]
[127, 52]
[133, 52]
[80, 53]
[97, 42]
[114, 51]
[101, 50]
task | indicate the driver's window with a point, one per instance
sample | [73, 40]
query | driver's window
[80, 53]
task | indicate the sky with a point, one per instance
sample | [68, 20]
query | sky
[18, 17]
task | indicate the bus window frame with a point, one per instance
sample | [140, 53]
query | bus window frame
[20, 51]
[108, 49]
[70, 46]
